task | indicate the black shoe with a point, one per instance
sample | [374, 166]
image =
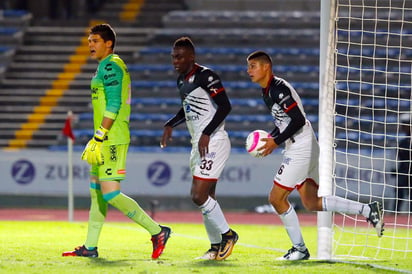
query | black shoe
[82, 251]
[376, 218]
[226, 246]
[159, 241]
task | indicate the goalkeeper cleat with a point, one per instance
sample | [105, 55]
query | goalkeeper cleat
[159, 241]
[294, 254]
[82, 251]
[209, 255]
[226, 246]
[376, 217]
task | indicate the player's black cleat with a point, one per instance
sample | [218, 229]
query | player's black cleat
[226, 246]
[159, 241]
[82, 251]
[376, 217]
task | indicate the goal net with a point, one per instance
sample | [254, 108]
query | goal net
[364, 124]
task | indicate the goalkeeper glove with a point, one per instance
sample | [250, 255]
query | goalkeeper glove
[93, 153]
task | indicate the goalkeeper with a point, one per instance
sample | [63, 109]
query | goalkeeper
[299, 169]
[106, 152]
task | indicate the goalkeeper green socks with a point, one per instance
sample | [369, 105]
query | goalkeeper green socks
[97, 215]
[131, 209]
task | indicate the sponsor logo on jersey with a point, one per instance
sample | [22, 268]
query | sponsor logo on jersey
[211, 155]
[107, 76]
[192, 118]
[286, 161]
[108, 67]
[113, 83]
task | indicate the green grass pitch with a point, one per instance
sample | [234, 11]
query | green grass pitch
[36, 247]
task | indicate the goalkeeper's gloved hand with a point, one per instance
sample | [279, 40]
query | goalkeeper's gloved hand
[93, 153]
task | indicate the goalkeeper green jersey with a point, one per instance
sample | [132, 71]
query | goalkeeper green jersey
[111, 95]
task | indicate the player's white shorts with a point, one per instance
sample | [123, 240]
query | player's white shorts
[210, 168]
[300, 160]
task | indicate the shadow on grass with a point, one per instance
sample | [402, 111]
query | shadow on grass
[111, 263]
[212, 263]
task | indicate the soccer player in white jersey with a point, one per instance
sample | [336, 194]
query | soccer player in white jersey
[205, 106]
[299, 168]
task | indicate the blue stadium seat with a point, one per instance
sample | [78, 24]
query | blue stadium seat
[222, 68]
[236, 50]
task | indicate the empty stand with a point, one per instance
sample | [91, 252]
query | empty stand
[49, 72]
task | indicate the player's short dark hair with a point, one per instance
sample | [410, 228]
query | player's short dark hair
[184, 42]
[105, 31]
[261, 56]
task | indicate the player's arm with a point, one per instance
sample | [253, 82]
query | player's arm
[223, 109]
[169, 125]
[176, 120]
[219, 96]
[113, 92]
[296, 123]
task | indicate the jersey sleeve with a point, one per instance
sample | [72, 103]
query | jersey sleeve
[112, 81]
[176, 120]
[290, 108]
[211, 82]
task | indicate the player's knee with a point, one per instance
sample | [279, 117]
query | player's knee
[198, 199]
[278, 204]
[311, 204]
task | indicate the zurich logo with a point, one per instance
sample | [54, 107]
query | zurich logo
[159, 173]
[23, 172]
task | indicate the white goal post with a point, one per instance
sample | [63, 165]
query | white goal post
[365, 94]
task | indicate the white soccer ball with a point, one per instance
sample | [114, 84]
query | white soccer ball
[253, 142]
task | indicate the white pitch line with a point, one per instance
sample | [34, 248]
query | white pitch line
[197, 238]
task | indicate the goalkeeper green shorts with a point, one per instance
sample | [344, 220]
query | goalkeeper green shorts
[114, 164]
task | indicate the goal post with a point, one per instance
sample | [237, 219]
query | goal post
[365, 81]
[326, 102]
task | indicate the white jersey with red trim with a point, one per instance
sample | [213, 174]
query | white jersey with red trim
[197, 90]
[280, 97]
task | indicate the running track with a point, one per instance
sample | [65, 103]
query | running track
[34, 214]
[39, 214]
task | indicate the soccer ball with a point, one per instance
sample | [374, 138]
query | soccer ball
[253, 142]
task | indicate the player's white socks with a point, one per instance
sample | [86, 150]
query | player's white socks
[291, 223]
[214, 234]
[214, 219]
[339, 204]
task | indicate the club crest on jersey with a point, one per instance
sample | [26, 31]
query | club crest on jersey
[186, 107]
[281, 95]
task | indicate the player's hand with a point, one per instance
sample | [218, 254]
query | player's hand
[203, 145]
[167, 136]
[93, 151]
[268, 147]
